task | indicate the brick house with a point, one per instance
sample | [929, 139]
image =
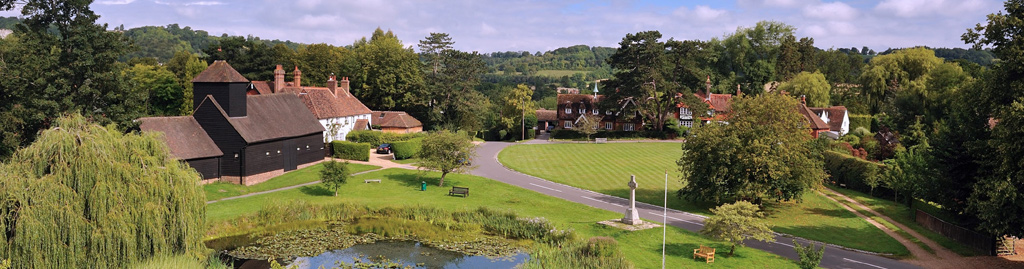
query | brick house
[573, 107]
[719, 107]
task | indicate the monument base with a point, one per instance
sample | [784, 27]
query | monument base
[617, 223]
[632, 218]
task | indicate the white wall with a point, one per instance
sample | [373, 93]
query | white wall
[344, 126]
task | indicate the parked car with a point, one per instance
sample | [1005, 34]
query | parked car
[384, 149]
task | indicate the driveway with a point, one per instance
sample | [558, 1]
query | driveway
[489, 167]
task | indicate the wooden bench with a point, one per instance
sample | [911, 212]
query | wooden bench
[371, 180]
[459, 190]
[705, 252]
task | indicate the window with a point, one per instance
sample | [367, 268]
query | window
[582, 110]
[568, 110]
[627, 127]
[568, 124]
[607, 112]
[268, 153]
[608, 125]
[688, 124]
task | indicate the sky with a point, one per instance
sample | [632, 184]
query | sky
[532, 25]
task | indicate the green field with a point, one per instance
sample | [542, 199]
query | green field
[400, 187]
[606, 168]
[221, 190]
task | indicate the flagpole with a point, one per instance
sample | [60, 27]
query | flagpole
[664, 222]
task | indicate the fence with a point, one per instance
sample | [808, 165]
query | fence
[980, 242]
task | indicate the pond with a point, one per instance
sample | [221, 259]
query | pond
[401, 253]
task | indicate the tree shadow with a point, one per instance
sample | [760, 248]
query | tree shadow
[316, 190]
[415, 180]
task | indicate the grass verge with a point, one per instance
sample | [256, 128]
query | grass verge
[902, 233]
[606, 168]
[906, 216]
[400, 187]
[221, 190]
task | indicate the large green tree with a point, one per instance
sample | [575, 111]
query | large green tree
[186, 66]
[737, 222]
[517, 106]
[643, 74]
[319, 61]
[997, 199]
[390, 77]
[84, 195]
[812, 85]
[61, 61]
[165, 94]
[763, 152]
[451, 77]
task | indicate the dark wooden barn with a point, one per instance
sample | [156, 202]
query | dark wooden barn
[259, 136]
[187, 141]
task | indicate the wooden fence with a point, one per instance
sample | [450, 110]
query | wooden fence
[980, 242]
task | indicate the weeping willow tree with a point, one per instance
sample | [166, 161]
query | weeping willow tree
[87, 196]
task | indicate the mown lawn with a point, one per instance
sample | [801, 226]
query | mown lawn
[606, 168]
[221, 190]
[905, 215]
[400, 187]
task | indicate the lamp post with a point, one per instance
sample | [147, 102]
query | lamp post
[524, 120]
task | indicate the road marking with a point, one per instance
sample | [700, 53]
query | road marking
[864, 263]
[784, 244]
[602, 201]
[687, 221]
[539, 186]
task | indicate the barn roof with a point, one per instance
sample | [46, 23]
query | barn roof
[219, 71]
[184, 136]
[274, 116]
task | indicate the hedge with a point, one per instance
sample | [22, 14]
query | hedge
[852, 171]
[572, 134]
[375, 138]
[351, 151]
[407, 149]
[859, 120]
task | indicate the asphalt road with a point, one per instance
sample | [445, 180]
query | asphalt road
[489, 167]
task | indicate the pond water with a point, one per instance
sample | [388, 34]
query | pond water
[406, 253]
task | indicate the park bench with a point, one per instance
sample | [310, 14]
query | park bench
[705, 252]
[371, 180]
[459, 190]
[600, 140]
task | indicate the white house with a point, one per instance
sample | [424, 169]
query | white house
[837, 118]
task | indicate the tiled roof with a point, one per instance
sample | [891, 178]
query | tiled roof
[220, 71]
[183, 135]
[547, 115]
[575, 101]
[813, 120]
[326, 104]
[362, 124]
[835, 116]
[274, 116]
[721, 102]
[397, 119]
[263, 87]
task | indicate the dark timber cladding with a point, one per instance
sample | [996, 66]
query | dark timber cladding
[225, 84]
[214, 120]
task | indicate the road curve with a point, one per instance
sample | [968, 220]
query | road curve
[487, 165]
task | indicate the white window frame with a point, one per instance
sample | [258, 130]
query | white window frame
[582, 109]
[595, 112]
[688, 124]
[628, 127]
[567, 125]
[568, 109]
[608, 125]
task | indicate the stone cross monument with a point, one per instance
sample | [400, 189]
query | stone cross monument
[632, 217]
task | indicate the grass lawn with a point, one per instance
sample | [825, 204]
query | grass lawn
[606, 168]
[906, 216]
[221, 190]
[409, 161]
[400, 187]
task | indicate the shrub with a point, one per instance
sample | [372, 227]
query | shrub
[565, 134]
[351, 151]
[860, 121]
[600, 246]
[856, 173]
[860, 132]
[809, 256]
[375, 138]
[502, 135]
[407, 149]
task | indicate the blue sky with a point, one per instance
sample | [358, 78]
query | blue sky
[531, 25]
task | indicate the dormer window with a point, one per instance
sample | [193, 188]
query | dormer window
[608, 113]
[582, 108]
[568, 110]
[595, 111]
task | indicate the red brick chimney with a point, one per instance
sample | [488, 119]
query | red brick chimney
[332, 84]
[738, 92]
[297, 82]
[345, 85]
[803, 99]
[278, 79]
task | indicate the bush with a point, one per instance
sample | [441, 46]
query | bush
[809, 256]
[856, 173]
[600, 246]
[502, 135]
[351, 151]
[375, 138]
[407, 149]
[858, 120]
[860, 132]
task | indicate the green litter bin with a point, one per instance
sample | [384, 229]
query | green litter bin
[423, 187]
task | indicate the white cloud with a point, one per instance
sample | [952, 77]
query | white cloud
[316, 21]
[831, 11]
[486, 29]
[919, 8]
[700, 13]
[115, 2]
